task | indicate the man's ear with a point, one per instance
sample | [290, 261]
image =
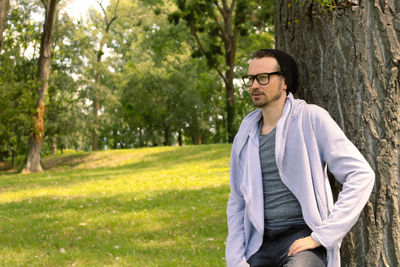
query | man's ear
[284, 87]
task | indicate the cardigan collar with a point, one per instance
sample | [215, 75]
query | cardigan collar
[249, 128]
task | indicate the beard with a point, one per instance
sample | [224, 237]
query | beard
[265, 100]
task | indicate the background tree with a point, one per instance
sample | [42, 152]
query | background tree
[349, 61]
[106, 23]
[36, 139]
[216, 27]
[64, 113]
[114, 34]
[18, 74]
[185, 95]
[3, 15]
[152, 85]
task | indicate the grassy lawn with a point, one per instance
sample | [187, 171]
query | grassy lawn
[161, 206]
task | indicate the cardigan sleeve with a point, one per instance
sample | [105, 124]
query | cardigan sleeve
[351, 169]
[235, 243]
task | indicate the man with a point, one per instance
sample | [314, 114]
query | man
[280, 210]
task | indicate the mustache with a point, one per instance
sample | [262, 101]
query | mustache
[257, 92]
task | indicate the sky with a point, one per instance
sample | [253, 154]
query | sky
[78, 8]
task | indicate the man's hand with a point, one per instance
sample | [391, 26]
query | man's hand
[302, 244]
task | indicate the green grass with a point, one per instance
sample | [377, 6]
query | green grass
[161, 206]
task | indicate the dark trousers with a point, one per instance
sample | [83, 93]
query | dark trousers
[275, 248]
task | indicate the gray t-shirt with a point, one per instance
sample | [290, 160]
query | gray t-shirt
[281, 207]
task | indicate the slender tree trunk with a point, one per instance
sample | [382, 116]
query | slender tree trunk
[180, 141]
[95, 140]
[13, 155]
[230, 107]
[166, 135]
[96, 104]
[3, 16]
[36, 139]
[230, 41]
[349, 63]
[141, 138]
[54, 144]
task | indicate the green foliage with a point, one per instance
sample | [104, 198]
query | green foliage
[64, 110]
[169, 98]
[156, 85]
[204, 18]
[218, 28]
[143, 207]
[18, 70]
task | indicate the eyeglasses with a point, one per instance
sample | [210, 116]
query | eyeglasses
[262, 78]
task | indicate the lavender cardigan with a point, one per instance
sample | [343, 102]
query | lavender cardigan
[307, 142]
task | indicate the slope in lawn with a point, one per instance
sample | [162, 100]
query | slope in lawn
[161, 206]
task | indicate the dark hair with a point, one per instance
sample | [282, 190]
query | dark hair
[286, 63]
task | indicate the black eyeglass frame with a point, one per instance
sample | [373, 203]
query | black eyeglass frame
[255, 77]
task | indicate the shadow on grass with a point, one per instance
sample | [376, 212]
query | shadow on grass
[174, 155]
[153, 161]
[49, 162]
[67, 161]
[167, 228]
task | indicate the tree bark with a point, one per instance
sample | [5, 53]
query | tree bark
[230, 108]
[13, 155]
[54, 144]
[96, 105]
[349, 63]
[95, 140]
[230, 43]
[36, 138]
[3, 16]
[230, 50]
[180, 141]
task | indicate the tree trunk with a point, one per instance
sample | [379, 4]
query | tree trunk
[349, 60]
[54, 144]
[197, 139]
[230, 109]
[180, 141]
[166, 135]
[96, 104]
[141, 138]
[36, 139]
[13, 155]
[95, 144]
[230, 41]
[3, 15]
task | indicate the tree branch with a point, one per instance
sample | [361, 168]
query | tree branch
[224, 4]
[222, 35]
[221, 10]
[203, 51]
[44, 4]
[104, 12]
[232, 6]
[115, 9]
[234, 42]
[107, 22]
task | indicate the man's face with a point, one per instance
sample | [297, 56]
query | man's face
[263, 95]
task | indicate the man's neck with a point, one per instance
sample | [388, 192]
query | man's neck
[271, 114]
